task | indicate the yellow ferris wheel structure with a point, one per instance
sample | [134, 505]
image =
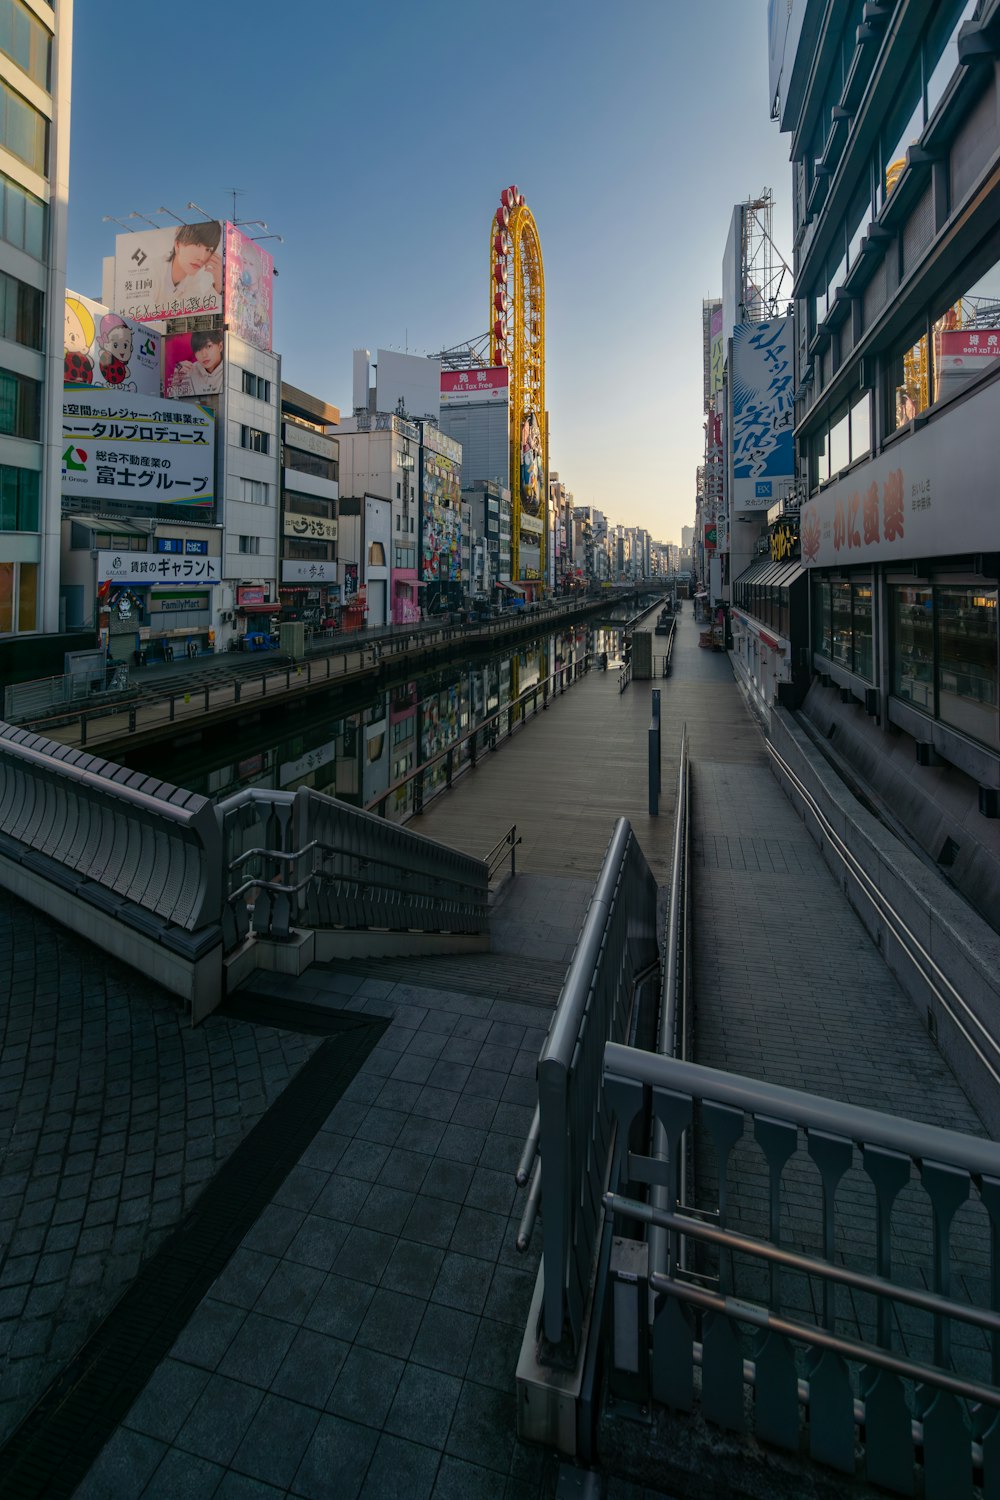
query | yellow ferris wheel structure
[517, 341]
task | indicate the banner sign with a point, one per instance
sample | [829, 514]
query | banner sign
[253, 594]
[304, 571]
[763, 412]
[143, 567]
[131, 447]
[169, 273]
[309, 528]
[474, 385]
[249, 289]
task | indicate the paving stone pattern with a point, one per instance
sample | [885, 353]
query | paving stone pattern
[790, 988]
[114, 1114]
[363, 1339]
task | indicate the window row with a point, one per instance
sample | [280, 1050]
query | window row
[944, 654]
[915, 102]
[400, 523]
[23, 219]
[26, 41]
[256, 386]
[250, 544]
[20, 406]
[21, 312]
[254, 491]
[23, 131]
[18, 498]
[311, 463]
[255, 440]
[842, 624]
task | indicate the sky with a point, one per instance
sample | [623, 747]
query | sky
[376, 139]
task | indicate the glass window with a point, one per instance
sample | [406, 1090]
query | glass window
[908, 383]
[840, 603]
[967, 659]
[913, 645]
[941, 48]
[27, 596]
[861, 617]
[18, 499]
[902, 128]
[255, 440]
[20, 312]
[858, 216]
[25, 131]
[25, 40]
[376, 555]
[20, 406]
[840, 443]
[861, 426]
[822, 638]
[6, 597]
[966, 338]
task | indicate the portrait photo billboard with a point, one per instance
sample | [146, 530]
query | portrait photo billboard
[170, 273]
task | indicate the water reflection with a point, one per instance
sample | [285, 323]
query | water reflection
[362, 755]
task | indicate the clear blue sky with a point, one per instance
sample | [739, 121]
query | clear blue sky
[376, 140]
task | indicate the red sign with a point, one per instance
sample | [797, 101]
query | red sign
[250, 596]
[711, 534]
[474, 385]
[965, 343]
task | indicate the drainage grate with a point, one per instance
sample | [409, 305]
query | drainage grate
[51, 1451]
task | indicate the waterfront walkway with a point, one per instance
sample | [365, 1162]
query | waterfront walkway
[361, 1334]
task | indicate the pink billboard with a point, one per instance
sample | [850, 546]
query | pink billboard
[193, 364]
[249, 289]
[474, 385]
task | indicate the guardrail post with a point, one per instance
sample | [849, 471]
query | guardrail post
[418, 793]
[83, 730]
[449, 765]
[171, 708]
[131, 718]
[510, 720]
[473, 751]
[237, 690]
[653, 741]
[207, 692]
[263, 684]
[659, 740]
[545, 694]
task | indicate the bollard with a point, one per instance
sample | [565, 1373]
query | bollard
[659, 740]
[131, 719]
[653, 742]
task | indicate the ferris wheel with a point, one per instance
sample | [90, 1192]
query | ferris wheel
[517, 341]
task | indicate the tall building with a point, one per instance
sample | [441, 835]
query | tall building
[35, 74]
[310, 473]
[893, 115]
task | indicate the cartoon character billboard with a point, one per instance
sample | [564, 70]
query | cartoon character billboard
[101, 348]
[531, 465]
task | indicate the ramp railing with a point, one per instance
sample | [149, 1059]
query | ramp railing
[306, 859]
[847, 1270]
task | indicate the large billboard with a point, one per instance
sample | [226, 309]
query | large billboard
[762, 388]
[462, 387]
[170, 273]
[150, 567]
[194, 363]
[101, 348]
[441, 508]
[119, 446]
[249, 274]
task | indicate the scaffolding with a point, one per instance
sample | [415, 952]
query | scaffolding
[765, 272]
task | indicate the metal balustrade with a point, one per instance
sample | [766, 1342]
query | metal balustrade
[306, 859]
[826, 1219]
[617, 947]
[92, 826]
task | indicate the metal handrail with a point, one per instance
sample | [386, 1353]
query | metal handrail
[497, 855]
[930, 972]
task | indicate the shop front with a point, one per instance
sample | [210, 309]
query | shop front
[155, 608]
[310, 592]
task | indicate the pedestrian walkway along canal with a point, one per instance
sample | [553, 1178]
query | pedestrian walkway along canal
[362, 1336]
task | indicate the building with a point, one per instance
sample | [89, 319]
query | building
[893, 121]
[309, 589]
[35, 69]
[489, 516]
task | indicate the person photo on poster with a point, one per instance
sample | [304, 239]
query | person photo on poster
[203, 373]
[192, 270]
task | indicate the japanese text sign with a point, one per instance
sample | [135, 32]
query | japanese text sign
[122, 446]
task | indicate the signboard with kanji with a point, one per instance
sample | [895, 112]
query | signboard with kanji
[152, 567]
[120, 446]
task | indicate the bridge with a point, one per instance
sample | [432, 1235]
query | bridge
[720, 1081]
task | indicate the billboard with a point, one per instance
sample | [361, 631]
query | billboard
[762, 388]
[133, 448]
[717, 353]
[101, 348]
[460, 387]
[169, 273]
[441, 509]
[148, 567]
[249, 274]
[194, 364]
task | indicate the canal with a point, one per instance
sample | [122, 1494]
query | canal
[365, 747]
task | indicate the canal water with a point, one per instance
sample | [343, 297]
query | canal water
[363, 749]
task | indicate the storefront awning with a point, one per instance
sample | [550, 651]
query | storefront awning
[514, 588]
[755, 572]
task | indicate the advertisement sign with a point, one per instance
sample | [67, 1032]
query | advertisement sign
[532, 526]
[253, 595]
[308, 441]
[302, 570]
[101, 348]
[169, 273]
[193, 364]
[142, 567]
[763, 412]
[441, 515]
[249, 289]
[458, 386]
[350, 580]
[309, 528]
[783, 539]
[922, 498]
[127, 447]
[711, 534]
[717, 353]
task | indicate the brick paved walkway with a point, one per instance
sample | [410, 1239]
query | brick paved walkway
[114, 1114]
